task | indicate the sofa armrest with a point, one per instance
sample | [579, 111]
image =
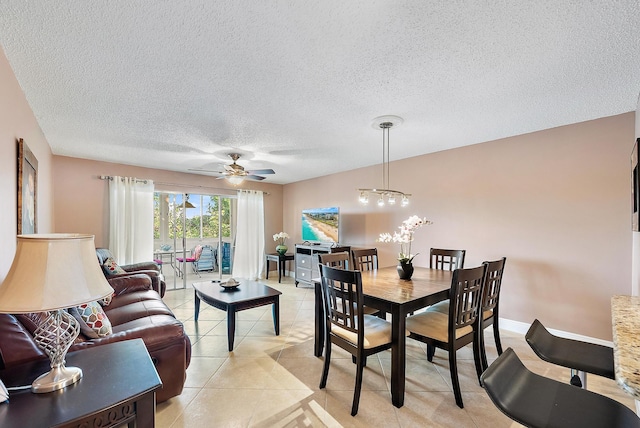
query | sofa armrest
[157, 279]
[141, 266]
[130, 282]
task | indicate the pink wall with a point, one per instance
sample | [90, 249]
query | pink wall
[556, 203]
[81, 199]
[17, 121]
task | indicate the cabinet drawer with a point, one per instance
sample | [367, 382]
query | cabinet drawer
[303, 274]
[303, 260]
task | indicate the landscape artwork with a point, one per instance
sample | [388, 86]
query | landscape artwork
[321, 224]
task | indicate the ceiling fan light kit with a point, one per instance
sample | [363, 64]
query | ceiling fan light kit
[385, 123]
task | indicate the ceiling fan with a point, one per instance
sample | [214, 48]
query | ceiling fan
[236, 174]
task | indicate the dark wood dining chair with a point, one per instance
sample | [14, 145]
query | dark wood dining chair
[347, 325]
[342, 261]
[536, 401]
[446, 259]
[490, 305]
[457, 328]
[343, 249]
[365, 259]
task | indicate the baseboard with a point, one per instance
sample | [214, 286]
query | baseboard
[523, 327]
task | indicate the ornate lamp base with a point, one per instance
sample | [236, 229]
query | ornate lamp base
[55, 335]
[57, 378]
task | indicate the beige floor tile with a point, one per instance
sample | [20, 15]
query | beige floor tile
[289, 408]
[170, 410]
[219, 408]
[432, 409]
[243, 373]
[201, 369]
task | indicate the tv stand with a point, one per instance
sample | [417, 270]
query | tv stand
[306, 261]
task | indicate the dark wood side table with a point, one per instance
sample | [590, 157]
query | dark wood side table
[249, 294]
[117, 387]
[280, 260]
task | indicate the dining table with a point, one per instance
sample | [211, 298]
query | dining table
[384, 290]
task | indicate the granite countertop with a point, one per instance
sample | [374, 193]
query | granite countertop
[625, 313]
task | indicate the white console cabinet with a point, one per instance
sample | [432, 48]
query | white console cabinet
[306, 260]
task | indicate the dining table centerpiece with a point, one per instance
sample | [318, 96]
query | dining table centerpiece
[281, 239]
[405, 237]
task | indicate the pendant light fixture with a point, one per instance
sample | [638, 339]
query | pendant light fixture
[385, 195]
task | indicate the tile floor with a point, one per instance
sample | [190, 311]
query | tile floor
[272, 381]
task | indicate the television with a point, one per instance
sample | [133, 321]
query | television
[321, 225]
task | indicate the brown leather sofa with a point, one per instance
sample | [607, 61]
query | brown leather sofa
[149, 268]
[136, 311]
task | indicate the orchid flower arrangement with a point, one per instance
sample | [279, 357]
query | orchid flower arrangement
[405, 237]
[281, 238]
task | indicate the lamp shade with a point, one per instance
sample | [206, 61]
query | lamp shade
[52, 271]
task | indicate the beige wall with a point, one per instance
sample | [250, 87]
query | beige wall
[556, 203]
[81, 199]
[17, 121]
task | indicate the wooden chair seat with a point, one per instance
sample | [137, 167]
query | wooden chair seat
[377, 332]
[434, 324]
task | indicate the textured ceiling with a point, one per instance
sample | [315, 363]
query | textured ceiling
[294, 85]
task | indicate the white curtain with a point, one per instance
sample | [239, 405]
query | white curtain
[131, 219]
[248, 260]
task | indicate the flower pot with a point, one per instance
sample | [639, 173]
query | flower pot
[405, 270]
[282, 249]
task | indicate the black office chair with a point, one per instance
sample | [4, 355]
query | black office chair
[537, 401]
[580, 357]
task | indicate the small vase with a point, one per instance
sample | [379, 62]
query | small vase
[282, 249]
[405, 270]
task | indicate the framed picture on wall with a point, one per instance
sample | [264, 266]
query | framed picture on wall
[27, 190]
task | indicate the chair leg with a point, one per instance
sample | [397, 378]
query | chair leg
[453, 368]
[354, 360]
[431, 350]
[478, 354]
[483, 351]
[327, 361]
[496, 335]
[358, 388]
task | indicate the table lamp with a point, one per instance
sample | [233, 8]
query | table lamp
[49, 273]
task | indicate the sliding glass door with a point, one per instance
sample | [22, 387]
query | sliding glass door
[194, 236]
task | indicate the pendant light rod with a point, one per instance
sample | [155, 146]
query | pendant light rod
[385, 123]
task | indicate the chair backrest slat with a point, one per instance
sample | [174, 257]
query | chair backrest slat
[365, 259]
[342, 298]
[495, 269]
[465, 297]
[340, 260]
[446, 259]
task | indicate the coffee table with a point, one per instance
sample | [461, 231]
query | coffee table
[249, 294]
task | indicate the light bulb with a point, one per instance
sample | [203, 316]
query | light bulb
[391, 199]
[405, 201]
[364, 198]
[381, 201]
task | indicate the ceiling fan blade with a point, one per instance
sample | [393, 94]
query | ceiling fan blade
[254, 177]
[206, 170]
[261, 171]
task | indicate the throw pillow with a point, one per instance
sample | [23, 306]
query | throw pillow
[107, 300]
[110, 267]
[92, 319]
